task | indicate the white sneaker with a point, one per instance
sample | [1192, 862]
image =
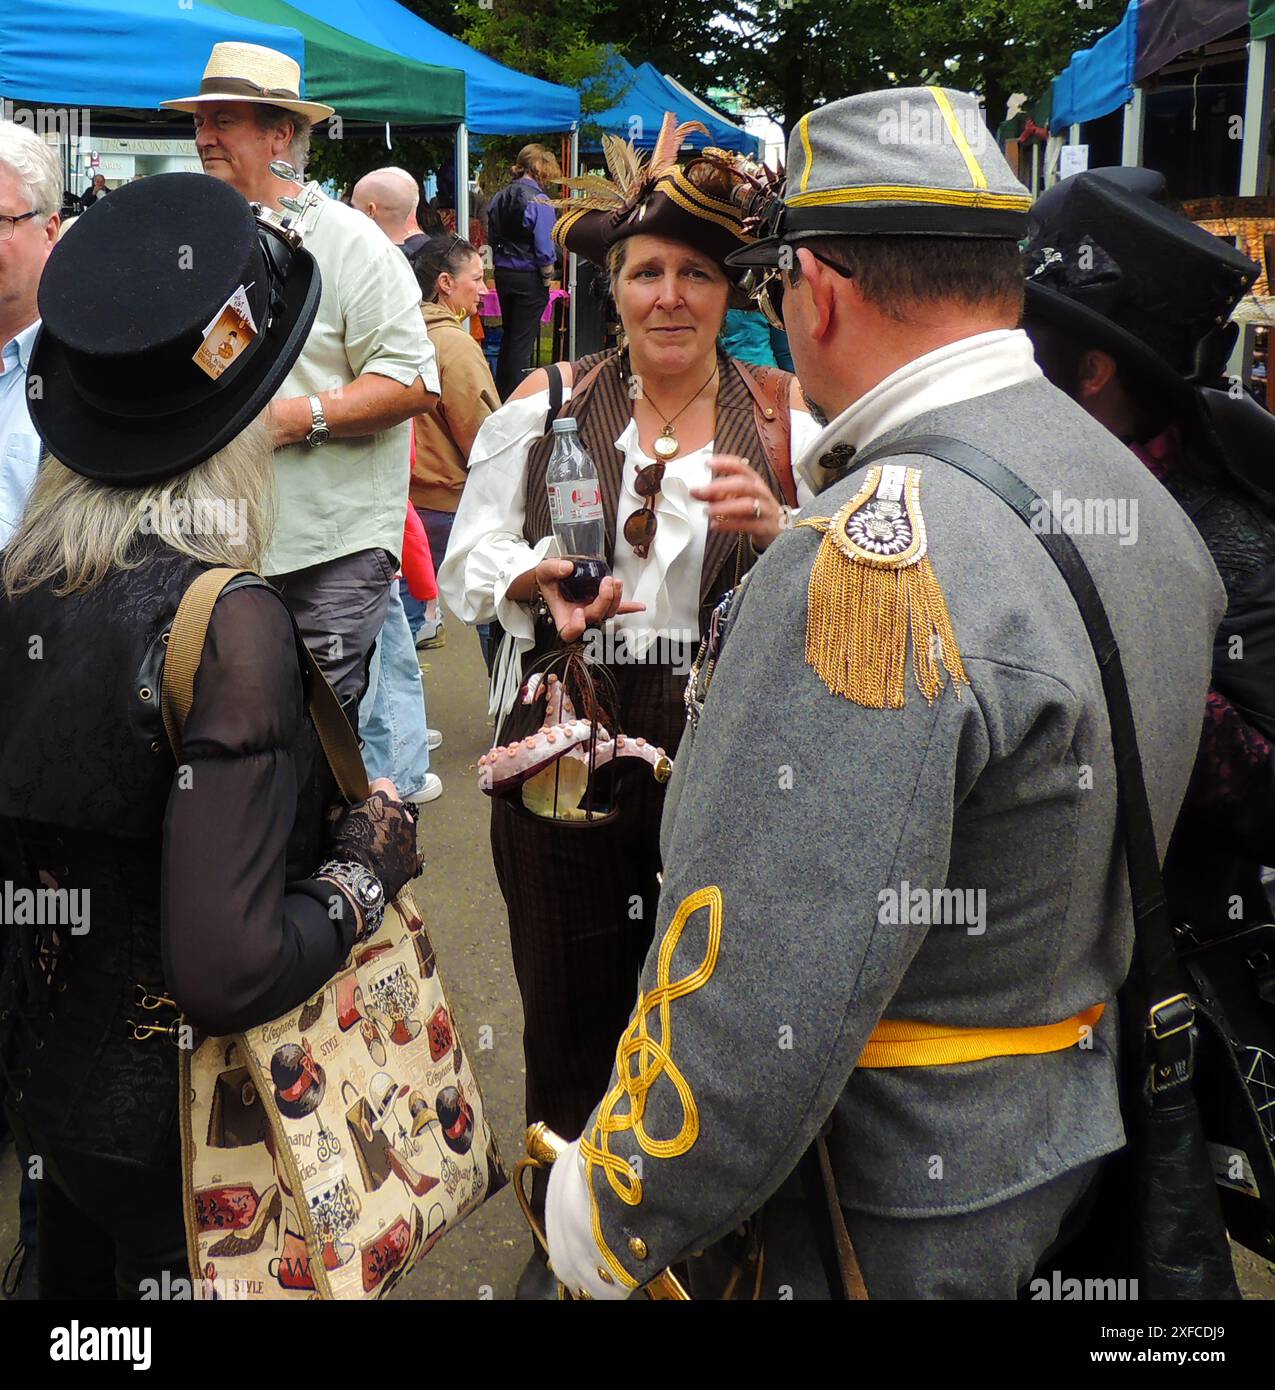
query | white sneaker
[431, 791]
[435, 738]
[431, 634]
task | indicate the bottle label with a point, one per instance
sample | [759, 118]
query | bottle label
[574, 501]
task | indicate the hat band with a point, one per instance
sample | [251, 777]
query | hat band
[914, 219]
[912, 193]
[243, 87]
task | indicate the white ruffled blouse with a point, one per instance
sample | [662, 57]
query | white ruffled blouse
[486, 551]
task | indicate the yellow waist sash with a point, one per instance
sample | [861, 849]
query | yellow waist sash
[897, 1043]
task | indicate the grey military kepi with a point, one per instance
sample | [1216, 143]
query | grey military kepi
[915, 161]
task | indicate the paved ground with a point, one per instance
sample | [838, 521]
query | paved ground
[466, 918]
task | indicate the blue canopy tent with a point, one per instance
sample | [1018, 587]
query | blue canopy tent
[119, 53]
[644, 95]
[498, 100]
[1098, 80]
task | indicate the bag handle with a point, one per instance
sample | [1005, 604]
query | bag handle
[1170, 1012]
[186, 640]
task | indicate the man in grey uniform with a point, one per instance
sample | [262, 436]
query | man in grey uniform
[895, 900]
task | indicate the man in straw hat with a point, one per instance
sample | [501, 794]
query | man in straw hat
[894, 904]
[342, 418]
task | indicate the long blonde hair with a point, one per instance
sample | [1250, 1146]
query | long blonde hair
[79, 531]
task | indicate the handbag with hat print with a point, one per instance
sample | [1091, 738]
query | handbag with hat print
[351, 1132]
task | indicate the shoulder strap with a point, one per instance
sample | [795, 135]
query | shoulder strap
[772, 414]
[1169, 1012]
[579, 391]
[186, 648]
[554, 373]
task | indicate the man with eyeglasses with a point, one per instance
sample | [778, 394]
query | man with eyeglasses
[30, 199]
[878, 1018]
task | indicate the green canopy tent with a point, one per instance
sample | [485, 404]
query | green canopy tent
[363, 83]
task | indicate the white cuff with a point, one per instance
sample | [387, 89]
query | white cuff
[573, 1252]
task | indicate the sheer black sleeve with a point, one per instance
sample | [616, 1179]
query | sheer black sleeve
[241, 946]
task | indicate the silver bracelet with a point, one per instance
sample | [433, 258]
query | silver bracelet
[364, 890]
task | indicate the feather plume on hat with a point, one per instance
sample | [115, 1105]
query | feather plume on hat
[702, 204]
[632, 174]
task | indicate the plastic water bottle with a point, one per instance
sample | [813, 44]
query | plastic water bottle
[575, 508]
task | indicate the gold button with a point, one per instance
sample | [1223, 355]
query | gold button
[637, 1248]
[605, 1275]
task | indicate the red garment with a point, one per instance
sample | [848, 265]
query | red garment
[417, 564]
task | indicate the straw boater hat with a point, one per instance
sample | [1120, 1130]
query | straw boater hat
[695, 204]
[248, 72]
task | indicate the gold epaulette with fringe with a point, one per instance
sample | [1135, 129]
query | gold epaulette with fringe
[872, 581]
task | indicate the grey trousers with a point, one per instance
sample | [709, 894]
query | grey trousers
[987, 1254]
[340, 607]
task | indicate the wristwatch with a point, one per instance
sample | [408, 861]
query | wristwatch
[319, 432]
[364, 887]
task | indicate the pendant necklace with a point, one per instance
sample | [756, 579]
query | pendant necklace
[666, 445]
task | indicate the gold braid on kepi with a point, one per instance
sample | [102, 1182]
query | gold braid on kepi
[703, 203]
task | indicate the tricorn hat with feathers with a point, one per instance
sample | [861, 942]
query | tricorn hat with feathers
[701, 204]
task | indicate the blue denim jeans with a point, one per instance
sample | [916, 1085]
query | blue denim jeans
[392, 714]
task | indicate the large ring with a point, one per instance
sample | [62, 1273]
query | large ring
[756, 508]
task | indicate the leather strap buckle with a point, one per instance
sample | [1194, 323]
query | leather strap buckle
[1180, 1016]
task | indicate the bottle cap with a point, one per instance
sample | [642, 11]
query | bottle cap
[565, 426]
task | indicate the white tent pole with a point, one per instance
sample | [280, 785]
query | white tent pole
[1135, 122]
[462, 180]
[1253, 150]
[1035, 169]
[1252, 170]
[573, 160]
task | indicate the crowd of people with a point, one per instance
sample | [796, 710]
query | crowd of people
[907, 703]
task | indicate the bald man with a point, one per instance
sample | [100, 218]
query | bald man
[390, 197]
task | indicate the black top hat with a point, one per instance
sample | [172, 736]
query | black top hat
[1118, 271]
[126, 300]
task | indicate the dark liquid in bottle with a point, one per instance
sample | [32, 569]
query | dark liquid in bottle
[582, 584]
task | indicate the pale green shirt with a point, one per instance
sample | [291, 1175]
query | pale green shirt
[351, 494]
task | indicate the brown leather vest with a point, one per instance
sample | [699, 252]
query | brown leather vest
[603, 408]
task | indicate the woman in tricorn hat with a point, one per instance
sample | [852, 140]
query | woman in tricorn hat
[694, 453]
[199, 894]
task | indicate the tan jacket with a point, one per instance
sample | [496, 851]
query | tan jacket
[445, 435]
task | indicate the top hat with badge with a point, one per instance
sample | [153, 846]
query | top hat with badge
[695, 203]
[170, 316]
[1115, 269]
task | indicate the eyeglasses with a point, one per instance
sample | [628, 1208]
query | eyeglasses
[769, 291]
[640, 528]
[8, 222]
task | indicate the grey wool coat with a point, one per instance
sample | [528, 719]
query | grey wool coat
[800, 808]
